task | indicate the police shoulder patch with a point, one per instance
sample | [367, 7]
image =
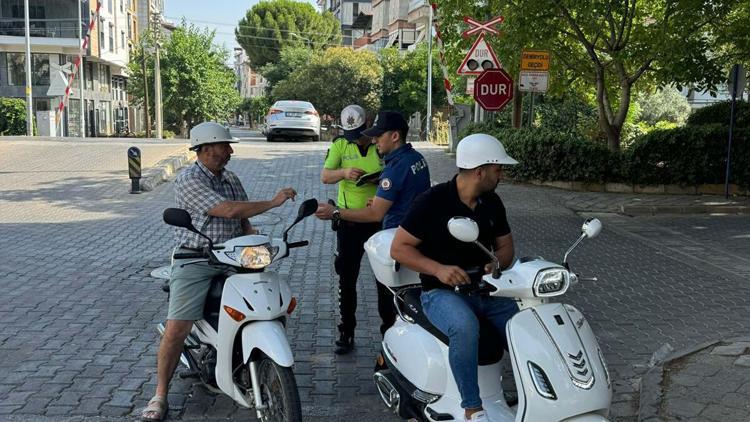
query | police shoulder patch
[385, 184]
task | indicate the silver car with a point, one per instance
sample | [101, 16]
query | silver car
[292, 120]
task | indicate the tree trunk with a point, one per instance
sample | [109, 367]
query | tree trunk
[611, 123]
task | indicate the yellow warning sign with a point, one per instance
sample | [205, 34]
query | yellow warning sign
[535, 60]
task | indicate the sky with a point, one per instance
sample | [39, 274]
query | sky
[219, 15]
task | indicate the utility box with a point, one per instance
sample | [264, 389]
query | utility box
[45, 123]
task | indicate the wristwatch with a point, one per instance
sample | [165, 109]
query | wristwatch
[336, 216]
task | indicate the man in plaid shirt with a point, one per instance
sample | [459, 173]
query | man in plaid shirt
[219, 208]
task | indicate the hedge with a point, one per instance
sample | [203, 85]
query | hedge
[718, 113]
[12, 116]
[686, 156]
[689, 156]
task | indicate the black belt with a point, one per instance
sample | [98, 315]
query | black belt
[191, 249]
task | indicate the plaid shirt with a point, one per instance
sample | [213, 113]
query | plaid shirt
[197, 190]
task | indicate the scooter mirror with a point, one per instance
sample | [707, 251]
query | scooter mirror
[307, 208]
[591, 227]
[464, 229]
[179, 218]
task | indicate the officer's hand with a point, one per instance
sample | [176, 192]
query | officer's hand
[324, 211]
[353, 173]
[282, 196]
[452, 275]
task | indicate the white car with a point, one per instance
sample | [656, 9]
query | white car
[292, 120]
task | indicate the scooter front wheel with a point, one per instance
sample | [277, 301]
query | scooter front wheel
[278, 390]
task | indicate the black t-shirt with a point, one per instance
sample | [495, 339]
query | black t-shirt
[428, 217]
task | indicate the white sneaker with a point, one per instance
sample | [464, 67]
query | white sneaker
[480, 416]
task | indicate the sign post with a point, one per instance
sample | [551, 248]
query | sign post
[534, 76]
[736, 84]
[134, 169]
[493, 89]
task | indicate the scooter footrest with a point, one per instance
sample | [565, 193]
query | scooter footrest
[189, 374]
[439, 416]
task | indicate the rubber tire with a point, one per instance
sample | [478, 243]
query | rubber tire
[288, 384]
[269, 138]
[316, 138]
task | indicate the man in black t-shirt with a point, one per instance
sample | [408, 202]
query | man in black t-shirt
[424, 244]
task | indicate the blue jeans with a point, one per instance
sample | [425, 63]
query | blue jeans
[456, 316]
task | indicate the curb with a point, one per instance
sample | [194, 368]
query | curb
[638, 210]
[651, 389]
[164, 169]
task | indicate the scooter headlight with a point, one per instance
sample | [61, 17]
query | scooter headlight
[551, 282]
[257, 257]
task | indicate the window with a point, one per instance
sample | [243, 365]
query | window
[89, 75]
[17, 69]
[109, 6]
[101, 34]
[355, 9]
[112, 37]
[121, 6]
[122, 39]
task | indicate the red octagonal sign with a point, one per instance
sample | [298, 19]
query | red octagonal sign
[493, 89]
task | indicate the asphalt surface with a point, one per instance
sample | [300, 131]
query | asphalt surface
[79, 306]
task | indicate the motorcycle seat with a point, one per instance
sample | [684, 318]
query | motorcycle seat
[213, 301]
[490, 342]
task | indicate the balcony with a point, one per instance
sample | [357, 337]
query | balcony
[40, 28]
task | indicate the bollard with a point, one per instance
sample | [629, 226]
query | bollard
[134, 169]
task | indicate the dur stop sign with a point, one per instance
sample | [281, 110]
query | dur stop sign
[493, 89]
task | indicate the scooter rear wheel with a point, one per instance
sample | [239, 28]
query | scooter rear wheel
[278, 389]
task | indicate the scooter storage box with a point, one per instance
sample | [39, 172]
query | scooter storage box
[378, 249]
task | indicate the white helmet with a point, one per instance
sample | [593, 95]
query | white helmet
[353, 121]
[209, 133]
[480, 149]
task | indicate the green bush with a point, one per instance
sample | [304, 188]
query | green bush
[12, 116]
[548, 155]
[689, 156]
[718, 113]
[167, 134]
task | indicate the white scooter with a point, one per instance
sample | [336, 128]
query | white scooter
[557, 363]
[240, 348]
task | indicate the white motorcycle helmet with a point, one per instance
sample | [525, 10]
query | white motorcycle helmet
[209, 133]
[480, 149]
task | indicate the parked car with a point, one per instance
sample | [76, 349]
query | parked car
[292, 120]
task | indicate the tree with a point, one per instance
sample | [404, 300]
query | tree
[12, 116]
[608, 44]
[405, 80]
[663, 105]
[334, 79]
[269, 26]
[290, 59]
[196, 84]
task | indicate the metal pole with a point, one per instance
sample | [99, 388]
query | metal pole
[80, 71]
[429, 73]
[531, 110]
[735, 78]
[29, 99]
[157, 76]
[145, 91]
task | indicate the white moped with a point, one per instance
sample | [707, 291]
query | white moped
[558, 366]
[240, 348]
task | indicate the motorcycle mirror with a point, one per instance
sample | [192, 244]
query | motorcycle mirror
[464, 229]
[591, 227]
[179, 218]
[307, 208]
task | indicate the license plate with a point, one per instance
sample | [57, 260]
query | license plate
[293, 114]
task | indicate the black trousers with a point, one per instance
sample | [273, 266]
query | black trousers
[351, 238]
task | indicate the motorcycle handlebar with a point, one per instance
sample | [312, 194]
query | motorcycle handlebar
[297, 244]
[192, 255]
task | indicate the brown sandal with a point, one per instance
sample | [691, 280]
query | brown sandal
[156, 409]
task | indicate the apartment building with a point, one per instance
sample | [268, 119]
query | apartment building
[54, 27]
[394, 23]
[249, 83]
[354, 15]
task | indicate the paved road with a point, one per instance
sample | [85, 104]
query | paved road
[79, 304]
